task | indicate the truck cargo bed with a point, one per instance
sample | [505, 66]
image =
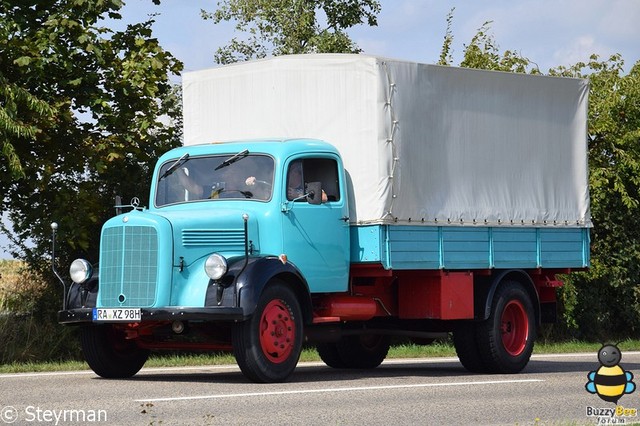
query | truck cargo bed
[457, 247]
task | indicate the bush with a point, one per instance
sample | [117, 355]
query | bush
[20, 289]
[29, 330]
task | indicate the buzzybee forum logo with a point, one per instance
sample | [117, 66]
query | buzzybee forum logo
[610, 382]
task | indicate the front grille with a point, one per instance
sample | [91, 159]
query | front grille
[221, 240]
[129, 266]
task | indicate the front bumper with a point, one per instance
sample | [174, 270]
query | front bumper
[85, 315]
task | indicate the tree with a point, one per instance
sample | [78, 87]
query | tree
[84, 113]
[605, 300]
[12, 127]
[483, 52]
[284, 27]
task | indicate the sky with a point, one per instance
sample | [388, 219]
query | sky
[547, 32]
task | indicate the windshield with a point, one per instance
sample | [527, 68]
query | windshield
[202, 178]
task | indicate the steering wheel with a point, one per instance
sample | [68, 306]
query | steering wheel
[246, 194]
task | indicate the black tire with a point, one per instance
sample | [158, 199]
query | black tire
[506, 339]
[330, 355]
[464, 340]
[109, 354]
[361, 351]
[267, 346]
[422, 341]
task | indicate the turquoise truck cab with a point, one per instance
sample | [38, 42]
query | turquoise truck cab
[224, 221]
[202, 205]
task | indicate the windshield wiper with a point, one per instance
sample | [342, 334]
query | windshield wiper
[233, 159]
[172, 168]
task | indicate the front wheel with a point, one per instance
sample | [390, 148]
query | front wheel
[267, 346]
[109, 354]
[505, 340]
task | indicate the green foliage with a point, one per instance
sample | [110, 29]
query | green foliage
[446, 55]
[283, 27]
[484, 53]
[84, 114]
[604, 301]
[16, 102]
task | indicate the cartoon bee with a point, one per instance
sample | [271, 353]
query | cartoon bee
[610, 381]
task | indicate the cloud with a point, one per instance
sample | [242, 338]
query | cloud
[579, 50]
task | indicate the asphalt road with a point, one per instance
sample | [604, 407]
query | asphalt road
[551, 390]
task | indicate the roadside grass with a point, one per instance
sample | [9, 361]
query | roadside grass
[437, 349]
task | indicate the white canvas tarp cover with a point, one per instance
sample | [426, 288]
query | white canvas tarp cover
[420, 143]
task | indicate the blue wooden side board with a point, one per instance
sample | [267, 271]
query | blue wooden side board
[468, 247]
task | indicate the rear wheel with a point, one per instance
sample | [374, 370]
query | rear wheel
[109, 354]
[267, 346]
[464, 340]
[330, 355]
[506, 339]
[361, 351]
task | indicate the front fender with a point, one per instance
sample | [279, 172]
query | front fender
[85, 295]
[243, 284]
[79, 297]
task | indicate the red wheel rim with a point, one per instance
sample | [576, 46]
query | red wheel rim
[514, 327]
[277, 332]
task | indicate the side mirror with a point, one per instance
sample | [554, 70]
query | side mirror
[314, 193]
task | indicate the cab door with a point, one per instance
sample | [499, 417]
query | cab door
[316, 236]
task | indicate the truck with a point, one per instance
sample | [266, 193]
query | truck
[345, 202]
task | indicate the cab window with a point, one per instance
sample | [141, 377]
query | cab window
[249, 177]
[301, 172]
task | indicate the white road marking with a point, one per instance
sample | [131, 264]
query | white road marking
[301, 364]
[330, 390]
[203, 368]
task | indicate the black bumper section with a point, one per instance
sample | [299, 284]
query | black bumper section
[84, 315]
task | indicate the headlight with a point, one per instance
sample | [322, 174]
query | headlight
[215, 266]
[80, 271]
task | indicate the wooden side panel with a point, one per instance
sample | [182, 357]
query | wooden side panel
[404, 247]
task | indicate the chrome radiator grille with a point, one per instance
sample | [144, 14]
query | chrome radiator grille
[129, 266]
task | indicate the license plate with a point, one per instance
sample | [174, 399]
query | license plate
[117, 314]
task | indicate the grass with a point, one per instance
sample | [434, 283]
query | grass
[438, 349]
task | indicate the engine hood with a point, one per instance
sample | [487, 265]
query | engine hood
[197, 234]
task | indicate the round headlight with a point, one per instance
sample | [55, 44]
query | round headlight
[215, 266]
[80, 271]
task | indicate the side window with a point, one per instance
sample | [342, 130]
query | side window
[295, 183]
[323, 170]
